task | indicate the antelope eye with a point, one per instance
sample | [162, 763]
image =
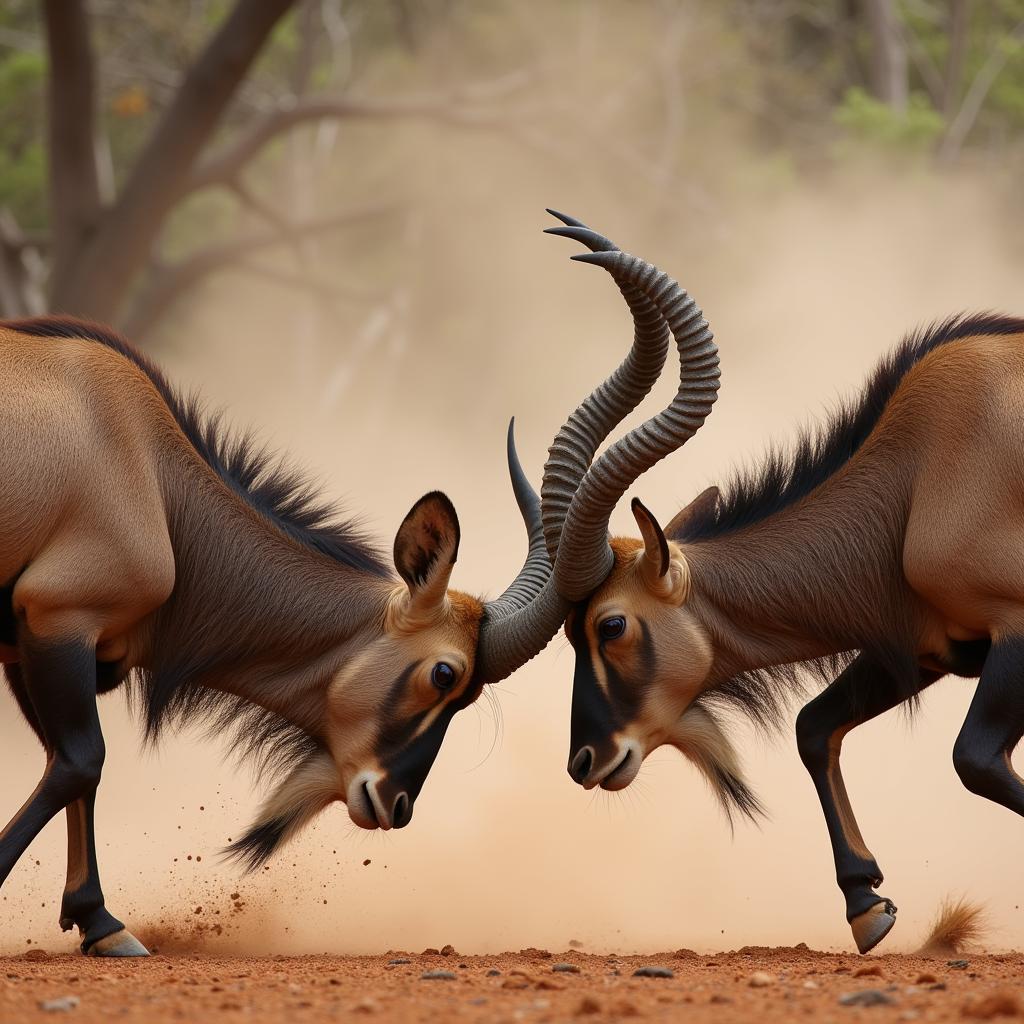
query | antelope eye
[443, 676]
[613, 628]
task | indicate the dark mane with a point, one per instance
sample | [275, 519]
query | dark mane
[280, 494]
[784, 477]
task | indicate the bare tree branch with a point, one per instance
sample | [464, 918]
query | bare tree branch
[226, 166]
[21, 271]
[168, 283]
[975, 97]
[888, 54]
[74, 174]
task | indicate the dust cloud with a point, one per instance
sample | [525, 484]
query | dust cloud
[805, 286]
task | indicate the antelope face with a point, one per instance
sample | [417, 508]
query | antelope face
[641, 659]
[389, 708]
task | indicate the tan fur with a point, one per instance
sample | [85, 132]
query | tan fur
[957, 925]
[120, 534]
[930, 512]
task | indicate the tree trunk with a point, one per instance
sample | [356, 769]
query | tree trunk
[104, 269]
[73, 172]
[888, 63]
[959, 25]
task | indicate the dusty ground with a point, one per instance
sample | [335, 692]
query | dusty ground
[751, 984]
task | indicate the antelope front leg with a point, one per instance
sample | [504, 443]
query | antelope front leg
[83, 905]
[864, 691]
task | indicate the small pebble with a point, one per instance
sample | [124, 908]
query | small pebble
[36, 954]
[437, 976]
[447, 950]
[958, 965]
[925, 978]
[566, 968]
[366, 862]
[718, 999]
[865, 997]
[399, 960]
[761, 979]
[492, 973]
[588, 1005]
[62, 1005]
[653, 972]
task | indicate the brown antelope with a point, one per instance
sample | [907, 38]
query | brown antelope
[141, 543]
[885, 551]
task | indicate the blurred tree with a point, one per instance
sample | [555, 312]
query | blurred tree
[93, 240]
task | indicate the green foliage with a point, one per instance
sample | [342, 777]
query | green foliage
[867, 120]
[22, 159]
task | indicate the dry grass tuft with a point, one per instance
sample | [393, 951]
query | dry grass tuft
[958, 924]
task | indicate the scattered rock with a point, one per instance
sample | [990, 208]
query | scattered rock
[718, 998]
[801, 945]
[62, 1005]
[366, 1006]
[865, 997]
[625, 1009]
[685, 954]
[399, 960]
[958, 965]
[761, 979]
[868, 971]
[939, 986]
[366, 862]
[515, 983]
[998, 1004]
[549, 985]
[811, 984]
[430, 951]
[448, 950]
[925, 978]
[532, 951]
[437, 976]
[566, 968]
[653, 972]
[588, 1005]
[36, 954]
[492, 973]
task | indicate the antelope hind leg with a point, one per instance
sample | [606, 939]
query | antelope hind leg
[863, 691]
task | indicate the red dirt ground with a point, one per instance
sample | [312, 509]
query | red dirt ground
[751, 984]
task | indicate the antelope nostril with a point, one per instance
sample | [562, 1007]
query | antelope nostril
[402, 813]
[580, 765]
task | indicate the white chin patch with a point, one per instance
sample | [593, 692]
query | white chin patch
[625, 767]
[364, 805]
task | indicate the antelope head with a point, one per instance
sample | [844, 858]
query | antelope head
[643, 657]
[389, 706]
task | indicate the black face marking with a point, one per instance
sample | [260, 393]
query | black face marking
[409, 764]
[593, 718]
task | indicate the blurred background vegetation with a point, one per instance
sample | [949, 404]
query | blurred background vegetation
[146, 148]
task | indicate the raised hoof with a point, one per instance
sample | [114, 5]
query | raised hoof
[121, 943]
[873, 925]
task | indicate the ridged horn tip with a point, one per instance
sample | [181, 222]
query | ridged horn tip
[565, 218]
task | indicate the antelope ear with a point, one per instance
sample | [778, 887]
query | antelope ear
[700, 508]
[656, 558]
[426, 547]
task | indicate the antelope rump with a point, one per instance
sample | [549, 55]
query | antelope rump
[884, 552]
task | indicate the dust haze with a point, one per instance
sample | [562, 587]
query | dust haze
[806, 283]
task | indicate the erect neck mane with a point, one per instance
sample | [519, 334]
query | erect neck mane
[784, 477]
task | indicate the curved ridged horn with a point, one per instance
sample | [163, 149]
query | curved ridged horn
[573, 448]
[584, 556]
[519, 624]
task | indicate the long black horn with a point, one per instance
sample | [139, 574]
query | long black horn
[584, 557]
